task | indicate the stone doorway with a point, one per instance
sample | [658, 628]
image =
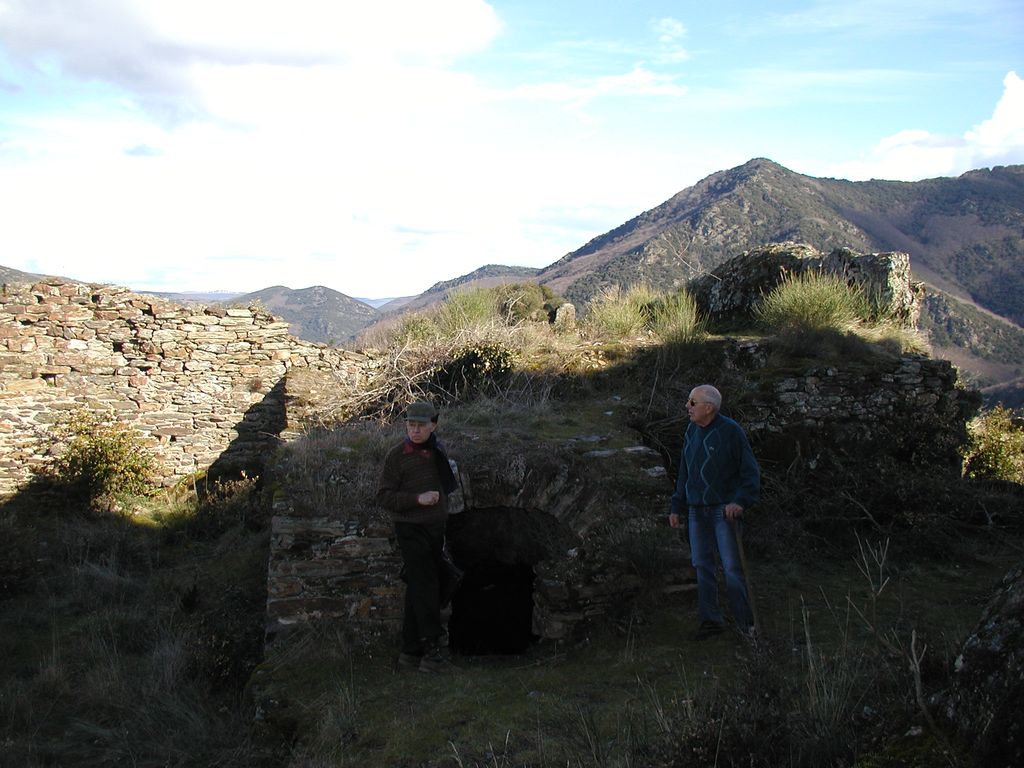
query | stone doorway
[498, 548]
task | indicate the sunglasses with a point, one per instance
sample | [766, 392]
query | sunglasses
[691, 402]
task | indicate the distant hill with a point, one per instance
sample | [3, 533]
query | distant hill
[485, 277]
[377, 303]
[11, 275]
[316, 313]
[197, 297]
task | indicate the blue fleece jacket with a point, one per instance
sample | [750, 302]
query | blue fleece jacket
[716, 467]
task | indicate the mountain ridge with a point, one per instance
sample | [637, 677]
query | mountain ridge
[316, 313]
[939, 222]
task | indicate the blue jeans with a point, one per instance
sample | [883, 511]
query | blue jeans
[709, 528]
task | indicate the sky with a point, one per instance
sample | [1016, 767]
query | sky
[377, 147]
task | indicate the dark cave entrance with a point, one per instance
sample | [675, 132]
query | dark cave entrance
[492, 611]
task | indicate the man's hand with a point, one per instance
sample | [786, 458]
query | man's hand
[673, 520]
[733, 511]
[428, 498]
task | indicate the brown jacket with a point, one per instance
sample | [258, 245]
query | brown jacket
[409, 471]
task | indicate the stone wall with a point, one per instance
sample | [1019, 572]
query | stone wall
[914, 399]
[202, 385]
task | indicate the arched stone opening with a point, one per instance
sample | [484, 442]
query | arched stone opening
[498, 548]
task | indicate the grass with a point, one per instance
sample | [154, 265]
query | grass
[820, 315]
[138, 655]
[812, 301]
[131, 637]
[818, 692]
[640, 312]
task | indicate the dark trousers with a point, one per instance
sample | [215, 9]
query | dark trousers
[421, 547]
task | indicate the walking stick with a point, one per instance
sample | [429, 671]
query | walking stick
[738, 530]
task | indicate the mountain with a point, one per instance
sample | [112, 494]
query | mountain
[485, 277]
[316, 313]
[965, 235]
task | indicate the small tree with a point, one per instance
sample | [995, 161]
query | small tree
[996, 449]
[97, 458]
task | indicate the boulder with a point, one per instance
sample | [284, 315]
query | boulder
[986, 698]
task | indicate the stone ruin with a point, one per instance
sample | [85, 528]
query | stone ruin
[736, 287]
[208, 385]
[522, 527]
[527, 520]
[204, 387]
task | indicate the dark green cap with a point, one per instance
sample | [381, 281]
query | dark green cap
[421, 410]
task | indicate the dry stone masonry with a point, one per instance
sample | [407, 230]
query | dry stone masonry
[201, 385]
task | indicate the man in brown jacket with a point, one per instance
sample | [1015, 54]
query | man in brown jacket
[414, 486]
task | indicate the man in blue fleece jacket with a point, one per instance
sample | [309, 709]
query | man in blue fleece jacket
[718, 479]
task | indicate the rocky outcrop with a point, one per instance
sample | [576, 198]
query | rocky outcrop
[733, 289]
[987, 696]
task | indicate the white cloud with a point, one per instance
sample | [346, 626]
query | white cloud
[1001, 136]
[640, 81]
[911, 155]
[157, 49]
[670, 32]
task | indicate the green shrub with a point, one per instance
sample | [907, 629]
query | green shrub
[99, 458]
[996, 448]
[519, 302]
[813, 301]
[475, 368]
[411, 329]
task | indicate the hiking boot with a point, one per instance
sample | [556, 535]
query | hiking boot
[409, 660]
[435, 660]
[708, 629]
